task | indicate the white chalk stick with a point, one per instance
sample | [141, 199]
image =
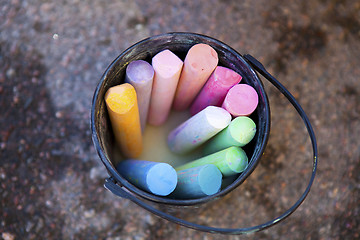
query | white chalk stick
[198, 129]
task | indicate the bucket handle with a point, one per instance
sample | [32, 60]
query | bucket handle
[111, 185]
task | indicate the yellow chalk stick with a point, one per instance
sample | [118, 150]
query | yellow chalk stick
[121, 102]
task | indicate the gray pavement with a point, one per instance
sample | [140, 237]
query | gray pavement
[52, 55]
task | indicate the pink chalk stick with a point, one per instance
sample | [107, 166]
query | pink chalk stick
[167, 67]
[215, 89]
[241, 100]
[140, 75]
[199, 63]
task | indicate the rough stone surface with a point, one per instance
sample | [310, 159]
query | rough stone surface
[52, 55]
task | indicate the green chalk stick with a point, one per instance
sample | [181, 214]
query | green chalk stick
[240, 132]
[229, 161]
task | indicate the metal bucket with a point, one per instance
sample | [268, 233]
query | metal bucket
[180, 43]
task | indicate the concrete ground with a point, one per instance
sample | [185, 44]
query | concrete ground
[52, 55]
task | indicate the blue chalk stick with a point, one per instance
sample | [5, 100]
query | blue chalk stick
[198, 182]
[157, 178]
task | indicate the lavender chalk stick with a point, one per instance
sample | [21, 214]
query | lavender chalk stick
[229, 161]
[157, 178]
[240, 132]
[140, 75]
[198, 129]
[215, 89]
[167, 67]
[241, 100]
[198, 182]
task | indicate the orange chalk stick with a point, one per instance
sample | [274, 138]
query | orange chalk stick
[121, 102]
[199, 63]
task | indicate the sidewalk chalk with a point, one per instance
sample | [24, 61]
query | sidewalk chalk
[215, 89]
[198, 182]
[229, 161]
[140, 75]
[240, 132]
[241, 100]
[121, 102]
[199, 63]
[198, 129]
[157, 178]
[167, 67]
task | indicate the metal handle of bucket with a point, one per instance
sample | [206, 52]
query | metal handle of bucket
[119, 191]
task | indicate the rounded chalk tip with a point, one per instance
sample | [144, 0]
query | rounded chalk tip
[241, 100]
[226, 76]
[210, 179]
[121, 98]
[161, 179]
[166, 63]
[237, 159]
[217, 117]
[242, 129]
[139, 71]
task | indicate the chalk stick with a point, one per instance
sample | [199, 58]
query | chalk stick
[198, 182]
[215, 89]
[121, 103]
[229, 161]
[167, 67]
[199, 63]
[240, 132]
[140, 75]
[157, 178]
[241, 100]
[198, 129]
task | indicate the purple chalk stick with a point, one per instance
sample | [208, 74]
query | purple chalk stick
[140, 75]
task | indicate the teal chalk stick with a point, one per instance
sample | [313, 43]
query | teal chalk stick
[240, 132]
[198, 182]
[157, 178]
[229, 161]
